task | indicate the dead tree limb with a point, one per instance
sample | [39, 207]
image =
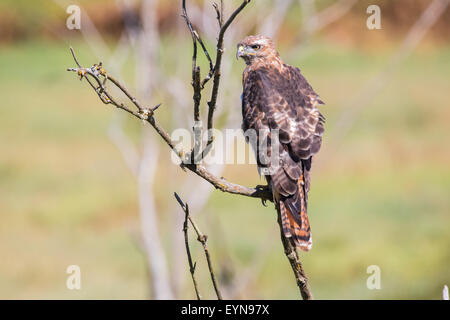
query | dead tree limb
[99, 74]
[202, 238]
[214, 72]
[192, 265]
[101, 77]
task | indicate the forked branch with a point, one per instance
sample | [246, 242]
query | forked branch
[202, 238]
[214, 72]
[192, 265]
[98, 78]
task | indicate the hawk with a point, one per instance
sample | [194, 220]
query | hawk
[277, 98]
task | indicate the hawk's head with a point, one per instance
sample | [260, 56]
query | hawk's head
[256, 48]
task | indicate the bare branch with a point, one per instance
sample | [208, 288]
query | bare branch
[219, 12]
[216, 80]
[202, 238]
[192, 265]
[196, 85]
[75, 57]
[197, 92]
[147, 114]
[195, 37]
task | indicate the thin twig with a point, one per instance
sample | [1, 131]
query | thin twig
[195, 37]
[74, 57]
[202, 238]
[216, 79]
[196, 85]
[192, 265]
[219, 12]
[197, 93]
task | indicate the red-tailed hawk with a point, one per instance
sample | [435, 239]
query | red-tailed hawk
[277, 98]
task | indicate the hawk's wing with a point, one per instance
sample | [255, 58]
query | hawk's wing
[283, 100]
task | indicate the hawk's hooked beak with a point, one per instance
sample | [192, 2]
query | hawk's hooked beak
[240, 51]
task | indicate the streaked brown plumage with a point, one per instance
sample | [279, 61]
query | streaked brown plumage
[276, 96]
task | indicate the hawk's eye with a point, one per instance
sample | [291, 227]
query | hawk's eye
[256, 47]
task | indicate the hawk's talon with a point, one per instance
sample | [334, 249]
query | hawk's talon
[263, 201]
[262, 188]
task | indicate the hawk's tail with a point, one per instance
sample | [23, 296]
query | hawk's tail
[294, 219]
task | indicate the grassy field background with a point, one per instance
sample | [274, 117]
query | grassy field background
[379, 197]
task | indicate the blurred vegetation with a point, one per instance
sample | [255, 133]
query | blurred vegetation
[22, 19]
[381, 198]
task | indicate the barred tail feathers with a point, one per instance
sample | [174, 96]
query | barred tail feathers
[294, 219]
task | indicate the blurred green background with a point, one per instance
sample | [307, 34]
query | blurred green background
[380, 190]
